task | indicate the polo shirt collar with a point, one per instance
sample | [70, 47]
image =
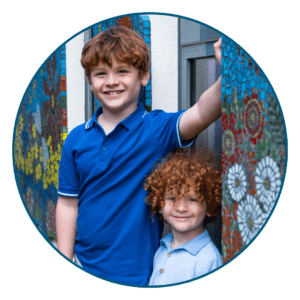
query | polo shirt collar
[193, 246]
[139, 113]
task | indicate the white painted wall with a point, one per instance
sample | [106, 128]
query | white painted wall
[164, 62]
[75, 82]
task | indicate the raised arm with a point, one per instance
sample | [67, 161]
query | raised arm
[66, 224]
[207, 110]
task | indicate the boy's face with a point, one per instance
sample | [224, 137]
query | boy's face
[187, 215]
[117, 87]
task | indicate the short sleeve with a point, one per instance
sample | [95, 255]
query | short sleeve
[166, 128]
[68, 178]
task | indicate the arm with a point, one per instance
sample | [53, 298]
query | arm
[66, 224]
[207, 110]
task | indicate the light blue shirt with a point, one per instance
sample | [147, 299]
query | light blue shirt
[191, 260]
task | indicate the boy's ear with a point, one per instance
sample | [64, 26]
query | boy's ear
[145, 78]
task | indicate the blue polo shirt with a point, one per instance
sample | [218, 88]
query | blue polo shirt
[195, 258]
[116, 239]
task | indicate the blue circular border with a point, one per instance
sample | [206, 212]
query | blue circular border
[178, 16]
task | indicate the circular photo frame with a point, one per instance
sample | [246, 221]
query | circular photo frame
[248, 141]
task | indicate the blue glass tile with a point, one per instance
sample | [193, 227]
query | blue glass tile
[259, 78]
[239, 76]
[244, 87]
[228, 48]
[262, 95]
[255, 77]
[148, 94]
[148, 101]
[266, 86]
[147, 24]
[148, 88]
[252, 83]
[147, 39]
[147, 31]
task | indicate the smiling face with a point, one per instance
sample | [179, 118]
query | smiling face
[117, 87]
[185, 215]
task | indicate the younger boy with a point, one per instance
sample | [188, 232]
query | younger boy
[188, 194]
[104, 161]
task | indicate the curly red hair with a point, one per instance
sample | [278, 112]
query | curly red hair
[183, 170]
[118, 43]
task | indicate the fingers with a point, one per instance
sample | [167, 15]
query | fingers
[217, 49]
[219, 42]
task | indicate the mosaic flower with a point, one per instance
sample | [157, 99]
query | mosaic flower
[237, 240]
[249, 216]
[226, 236]
[235, 207]
[230, 252]
[253, 118]
[51, 111]
[268, 182]
[237, 182]
[232, 139]
[226, 216]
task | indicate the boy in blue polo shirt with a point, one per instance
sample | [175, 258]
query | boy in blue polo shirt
[101, 217]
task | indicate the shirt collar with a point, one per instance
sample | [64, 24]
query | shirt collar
[193, 246]
[139, 113]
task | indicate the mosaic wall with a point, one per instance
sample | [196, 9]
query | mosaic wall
[253, 150]
[140, 24]
[40, 130]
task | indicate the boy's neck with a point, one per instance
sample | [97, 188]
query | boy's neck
[109, 119]
[181, 238]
